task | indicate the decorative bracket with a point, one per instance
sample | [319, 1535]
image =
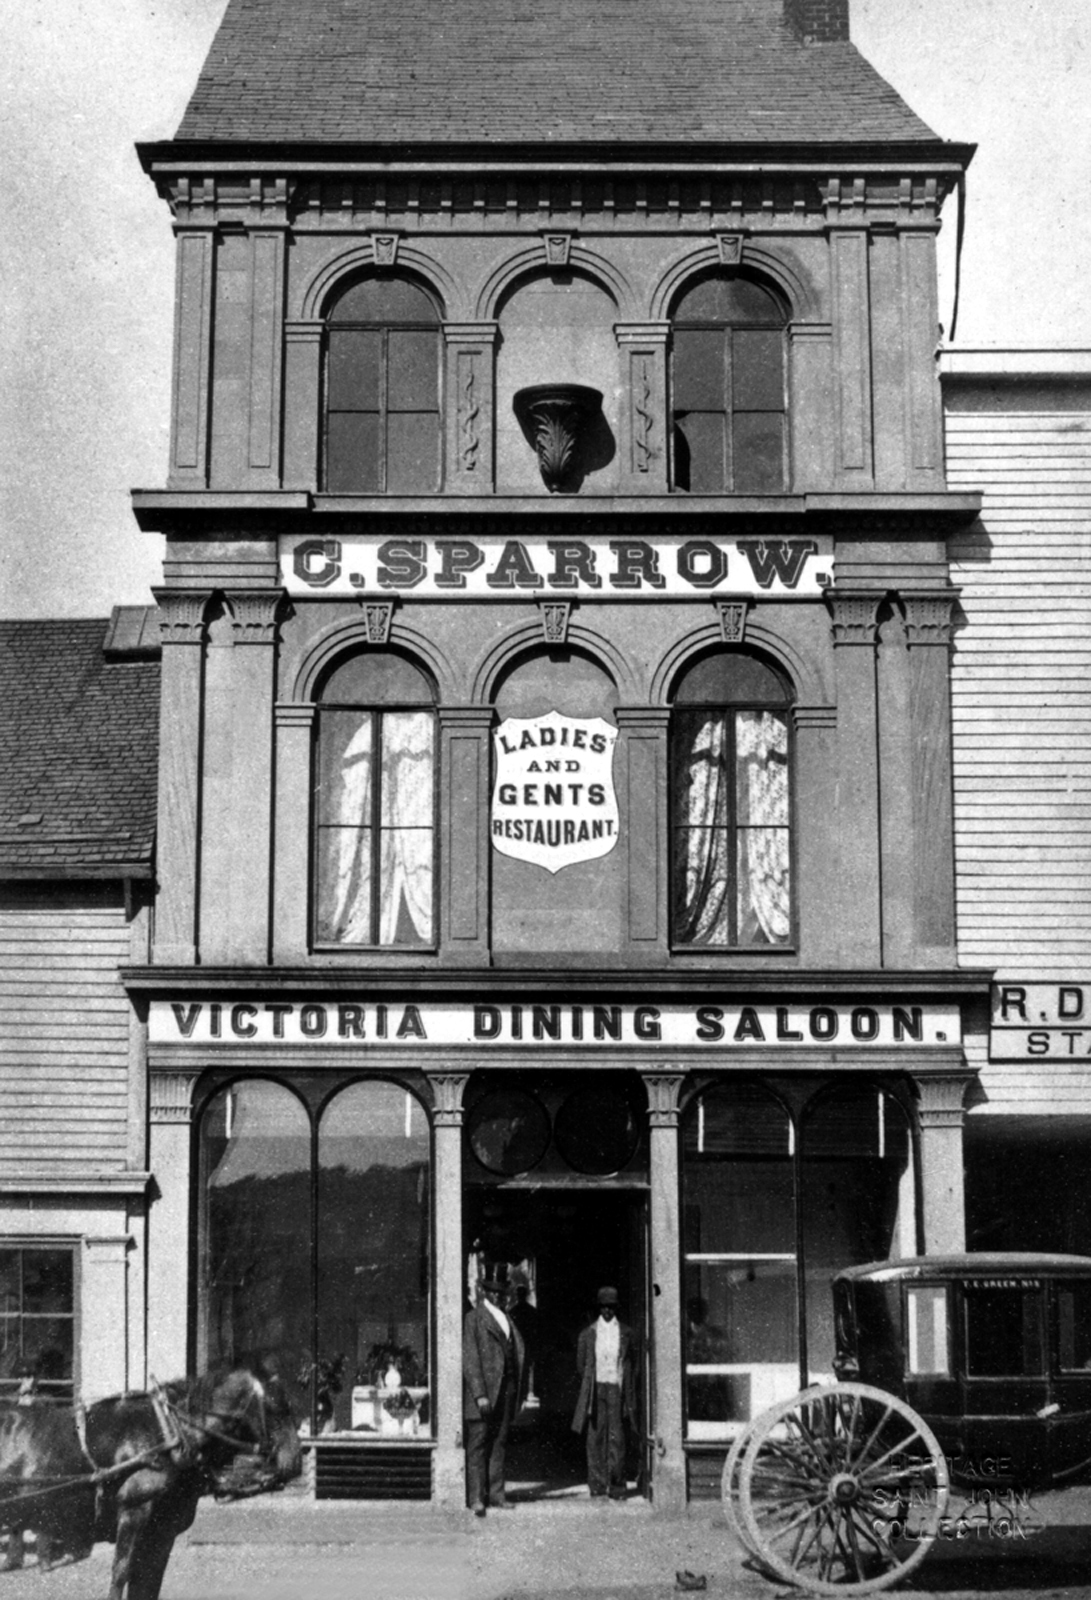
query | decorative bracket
[378, 615]
[555, 615]
[732, 609]
[553, 416]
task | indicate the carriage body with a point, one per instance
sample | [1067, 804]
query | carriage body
[992, 1351]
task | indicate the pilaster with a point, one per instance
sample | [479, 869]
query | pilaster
[293, 722]
[928, 633]
[669, 1464]
[645, 435]
[464, 769]
[941, 1119]
[182, 631]
[817, 847]
[195, 258]
[854, 622]
[470, 395]
[450, 1460]
[853, 453]
[643, 801]
[810, 385]
[267, 253]
[104, 1317]
[302, 403]
[169, 1115]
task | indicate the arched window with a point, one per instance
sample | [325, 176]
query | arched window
[382, 390]
[729, 388]
[730, 804]
[375, 804]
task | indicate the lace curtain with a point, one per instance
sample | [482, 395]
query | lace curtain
[402, 852]
[707, 860]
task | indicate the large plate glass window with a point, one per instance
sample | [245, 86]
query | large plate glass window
[375, 804]
[730, 805]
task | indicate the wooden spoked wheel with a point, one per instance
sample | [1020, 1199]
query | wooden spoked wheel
[729, 1486]
[841, 1490]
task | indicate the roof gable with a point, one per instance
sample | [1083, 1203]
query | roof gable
[494, 71]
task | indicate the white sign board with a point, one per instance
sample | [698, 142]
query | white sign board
[583, 567]
[1036, 1021]
[553, 802]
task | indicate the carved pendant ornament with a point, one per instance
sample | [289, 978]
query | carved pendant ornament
[554, 416]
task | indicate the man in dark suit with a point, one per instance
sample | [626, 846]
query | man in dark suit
[492, 1389]
[605, 1361]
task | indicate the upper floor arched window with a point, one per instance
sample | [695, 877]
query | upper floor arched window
[375, 804]
[730, 804]
[728, 388]
[382, 390]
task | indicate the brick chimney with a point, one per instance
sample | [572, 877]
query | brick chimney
[818, 21]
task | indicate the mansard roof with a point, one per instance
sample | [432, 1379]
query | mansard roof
[500, 72]
[79, 738]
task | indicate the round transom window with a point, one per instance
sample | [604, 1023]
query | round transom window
[509, 1132]
[597, 1131]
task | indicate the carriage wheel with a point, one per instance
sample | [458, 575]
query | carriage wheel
[729, 1485]
[841, 1490]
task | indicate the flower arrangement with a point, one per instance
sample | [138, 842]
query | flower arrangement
[381, 1357]
[400, 1405]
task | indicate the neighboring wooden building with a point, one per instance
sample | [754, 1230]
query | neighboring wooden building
[77, 819]
[1019, 430]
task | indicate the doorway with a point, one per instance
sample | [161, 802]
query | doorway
[560, 1245]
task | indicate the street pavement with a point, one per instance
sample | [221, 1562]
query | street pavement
[287, 1547]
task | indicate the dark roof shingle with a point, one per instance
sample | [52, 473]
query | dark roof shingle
[79, 740]
[499, 71]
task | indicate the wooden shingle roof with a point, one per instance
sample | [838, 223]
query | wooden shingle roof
[496, 72]
[79, 738]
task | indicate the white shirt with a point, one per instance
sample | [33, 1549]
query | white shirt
[607, 1350]
[505, 1325]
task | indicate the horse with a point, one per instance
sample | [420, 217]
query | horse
[44, 1484]
[144, 1460]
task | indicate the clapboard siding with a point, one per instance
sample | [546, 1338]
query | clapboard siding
[1021, 707]
[64, 1039]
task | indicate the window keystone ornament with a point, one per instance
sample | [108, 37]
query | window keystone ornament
[730, 246]
[557, 248]
[732, 609]
[378, 614]
[384, 247]
[554, 417]
[555, 615]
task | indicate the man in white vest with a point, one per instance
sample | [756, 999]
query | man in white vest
[607, 1399]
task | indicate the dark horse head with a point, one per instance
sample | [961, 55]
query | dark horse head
[235, 1412]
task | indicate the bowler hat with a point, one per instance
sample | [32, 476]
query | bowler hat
[607, 1297]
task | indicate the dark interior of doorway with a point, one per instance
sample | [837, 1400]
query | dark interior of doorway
[578, 1240]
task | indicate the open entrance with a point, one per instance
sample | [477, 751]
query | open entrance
[556, 1172]
[559, 1247]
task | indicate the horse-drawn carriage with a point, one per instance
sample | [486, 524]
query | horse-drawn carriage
[967, 1372]
[131, 1469]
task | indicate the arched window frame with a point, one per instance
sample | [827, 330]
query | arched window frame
[376, 714]
[723, 716]
[390, 378]
[700, 346]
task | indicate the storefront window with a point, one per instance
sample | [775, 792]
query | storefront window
[857, 1200]
[37, 1322]
[741, 1342]
[375, 804]
[254, 1282]
[373, 1262]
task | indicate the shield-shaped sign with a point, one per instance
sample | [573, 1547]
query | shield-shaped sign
[554, 802]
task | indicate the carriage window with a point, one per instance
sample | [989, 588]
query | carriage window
[926, 1322]
[1074, 1327]
[1004, 1331]
[37, 1322]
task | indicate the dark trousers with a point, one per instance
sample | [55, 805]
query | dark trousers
[486, 1441]
[606, 1441]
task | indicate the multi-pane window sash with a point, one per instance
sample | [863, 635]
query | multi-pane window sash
[375, 810]
[731, 856]
[37, 1320]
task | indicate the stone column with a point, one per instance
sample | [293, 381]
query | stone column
[854, 626]
[182, 629]
[104, 1318]
[450, 1460]
[928, 621]
[644, 446]
[941, 1093]
[666, 1414]
[291, 830]
[170, 1112]
[470, 403]
[464, 900]
[302, 403]
[642, 786]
